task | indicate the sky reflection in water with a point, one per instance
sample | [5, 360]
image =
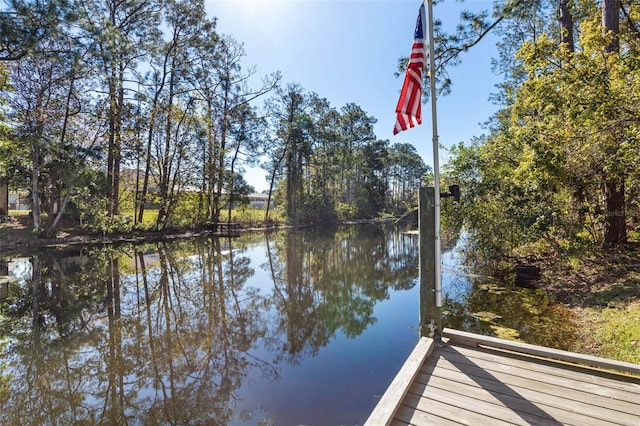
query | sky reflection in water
[294, 327]
[305, 327]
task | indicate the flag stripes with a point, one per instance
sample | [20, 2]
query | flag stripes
[408, 110]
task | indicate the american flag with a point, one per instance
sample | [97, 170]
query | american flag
[408, 109]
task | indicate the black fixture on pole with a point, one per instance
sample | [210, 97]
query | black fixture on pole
[454, 191]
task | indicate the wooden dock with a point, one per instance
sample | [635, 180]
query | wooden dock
[227, 229]
[479, 380]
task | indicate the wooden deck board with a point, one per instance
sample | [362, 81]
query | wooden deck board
[529, 403]
[560, 397]
[475, 408]
[546, 383]
[478, 384]
[451, 409]
[525, 365]
[548, 380]
[410, 416]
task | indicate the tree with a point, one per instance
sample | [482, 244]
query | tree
[11, 156]
[189, 31]
[247, 136]
[599, 119]
[120, 33]
[406, 173]
[375, 179]
[223, 88]
[290, 126]
[356, 130]
[168, 96]
[324, 167]
[554, 168]
[47, 103]
[239, 191]
[24, 24]
[614, 182]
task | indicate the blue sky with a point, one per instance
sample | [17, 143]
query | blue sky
[347, 51]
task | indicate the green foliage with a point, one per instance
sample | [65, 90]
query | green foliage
[98, 220]
[148, 220]
[345, 211]
[329, 154]
[542, 180]
[148, 94]
[251, 216]
[406, 172]
[183, 212]
[317, 208]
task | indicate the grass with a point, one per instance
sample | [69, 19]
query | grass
[602, 286]
[246, 216]
[148, 218]
[250, 215]
[614, 332]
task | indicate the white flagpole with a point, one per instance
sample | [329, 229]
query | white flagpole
[436, 160]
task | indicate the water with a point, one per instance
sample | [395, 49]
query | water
[304, 327]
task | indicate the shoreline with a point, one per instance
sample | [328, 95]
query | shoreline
[600, 286]
[17, 236]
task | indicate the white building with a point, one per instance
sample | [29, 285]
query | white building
[19, 200]
[259, 201]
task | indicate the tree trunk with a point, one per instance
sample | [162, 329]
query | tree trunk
[221, 152]
[566, 25]
[210, 166]
[165, 166]
[271, 185]
[291, 164]
[116, 95]
[611, 23]
[63, 206]
[232, 185]
[142, 200]
[616, 227]
[111, 144]
[272, 182]
[35, 187]
[292, 179]
[4, 197]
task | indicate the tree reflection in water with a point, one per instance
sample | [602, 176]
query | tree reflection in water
[168, 333]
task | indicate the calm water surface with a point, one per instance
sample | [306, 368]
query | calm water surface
[304, 327]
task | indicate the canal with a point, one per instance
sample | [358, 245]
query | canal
[295, 327]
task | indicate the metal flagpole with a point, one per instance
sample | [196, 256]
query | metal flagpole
[436, 159]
